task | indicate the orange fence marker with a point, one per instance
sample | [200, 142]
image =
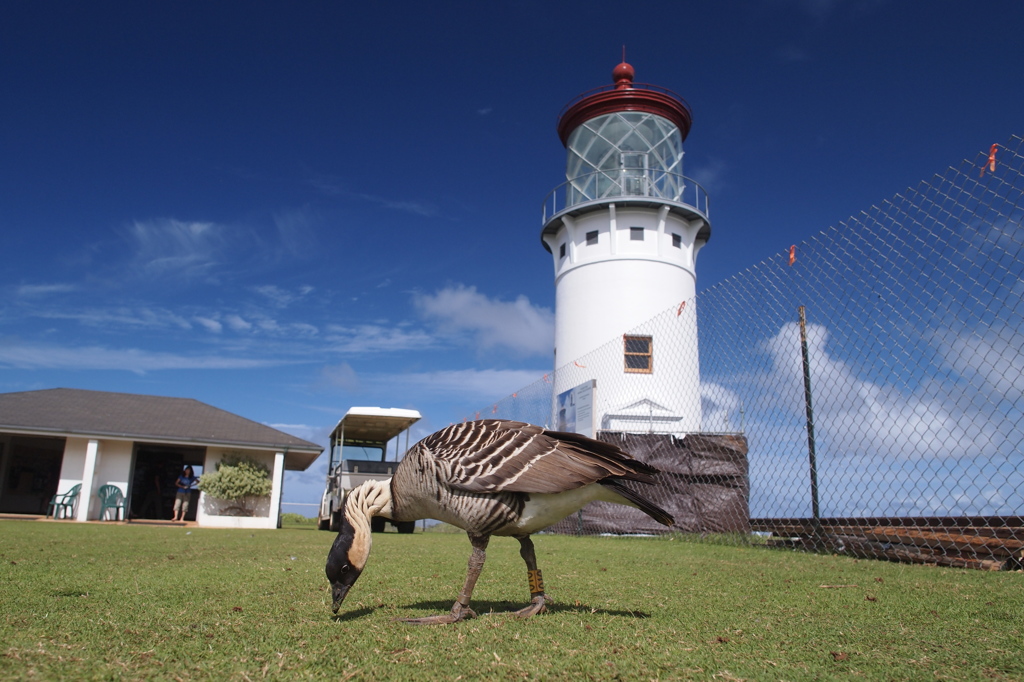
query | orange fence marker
[991, 163]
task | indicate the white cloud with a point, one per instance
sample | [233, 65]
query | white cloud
[855, 416]
[336, 187]
[119, 318]
[45, 289]
[152, 318]
[275, 294]
[36, 356]
[282, 298]
[237, 323]
[274, 327]
[314, 434]
[297, 232]
[306, 487]
[210, 324]
[719, 408]
[473, 384]
[341, 376]
[404, 205]
[370, 338]
[993, 358]
[513, 325]
[267, 324]
[174, 248]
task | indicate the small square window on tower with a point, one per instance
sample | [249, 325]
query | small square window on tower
[561, 251]
[636, 234]
[639, 354]
[677, 240]
[591, 238]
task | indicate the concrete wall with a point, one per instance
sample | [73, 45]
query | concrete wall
[113, 466]
[71, 470]
[220, 513]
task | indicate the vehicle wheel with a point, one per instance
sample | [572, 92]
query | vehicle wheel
[377, 524]
[335, 526]
[407, 527]
[323, 524]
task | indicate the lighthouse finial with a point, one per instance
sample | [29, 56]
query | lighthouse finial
[622, 75]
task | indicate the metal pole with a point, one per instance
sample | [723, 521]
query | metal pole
[811, 454]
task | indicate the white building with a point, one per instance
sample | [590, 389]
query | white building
[624, 231]
[54, 440]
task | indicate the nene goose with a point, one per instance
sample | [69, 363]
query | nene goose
[488, 477]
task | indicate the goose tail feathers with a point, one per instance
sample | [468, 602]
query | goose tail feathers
[643, 504]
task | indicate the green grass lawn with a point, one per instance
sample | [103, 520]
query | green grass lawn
[88, 601]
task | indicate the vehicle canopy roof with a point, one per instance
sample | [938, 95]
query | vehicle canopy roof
[377, 425]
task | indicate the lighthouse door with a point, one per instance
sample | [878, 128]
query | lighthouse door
[634, 173]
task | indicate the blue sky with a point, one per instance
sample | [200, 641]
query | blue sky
[285, 209]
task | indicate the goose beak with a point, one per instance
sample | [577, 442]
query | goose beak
[338, 592]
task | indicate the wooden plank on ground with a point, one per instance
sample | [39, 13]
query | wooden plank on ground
[958, 541]
[860, 546]
[1011, 527]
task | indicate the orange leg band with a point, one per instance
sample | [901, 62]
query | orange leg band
[536, 582]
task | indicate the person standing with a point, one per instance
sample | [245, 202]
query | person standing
[184, 484]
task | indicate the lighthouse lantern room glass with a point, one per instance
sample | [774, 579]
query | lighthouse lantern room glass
[627, 153]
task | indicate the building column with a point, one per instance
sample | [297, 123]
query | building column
[276, 490]
[92, 458]
[5, 458]
[613, 232]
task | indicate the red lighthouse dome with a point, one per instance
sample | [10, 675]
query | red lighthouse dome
[625, 95]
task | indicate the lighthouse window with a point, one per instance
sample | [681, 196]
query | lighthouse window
[636, 234]
[561, 251]
[639, 356]
[591, 238]
[677, 240]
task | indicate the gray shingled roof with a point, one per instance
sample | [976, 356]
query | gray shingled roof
[71, 411]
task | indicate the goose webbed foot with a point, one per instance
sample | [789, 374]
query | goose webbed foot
[458, 613]
[537, 606]
[534, 578]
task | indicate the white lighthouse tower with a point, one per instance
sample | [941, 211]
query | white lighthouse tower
[624, 231]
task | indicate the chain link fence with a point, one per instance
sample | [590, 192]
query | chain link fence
[862, 392]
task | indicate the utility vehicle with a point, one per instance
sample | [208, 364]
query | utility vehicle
[359, 453]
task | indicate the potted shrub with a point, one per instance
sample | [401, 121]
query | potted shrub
[240, 481]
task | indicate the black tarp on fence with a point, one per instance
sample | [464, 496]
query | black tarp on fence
[703, 483]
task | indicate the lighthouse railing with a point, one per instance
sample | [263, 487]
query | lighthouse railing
[625, 183]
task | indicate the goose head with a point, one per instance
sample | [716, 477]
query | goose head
[346, 560]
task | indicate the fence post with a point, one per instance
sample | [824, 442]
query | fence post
[811, 454]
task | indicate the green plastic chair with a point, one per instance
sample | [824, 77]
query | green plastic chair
[111, 497]
[61, 506]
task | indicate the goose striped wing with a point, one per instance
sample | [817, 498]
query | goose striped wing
[494, 455]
